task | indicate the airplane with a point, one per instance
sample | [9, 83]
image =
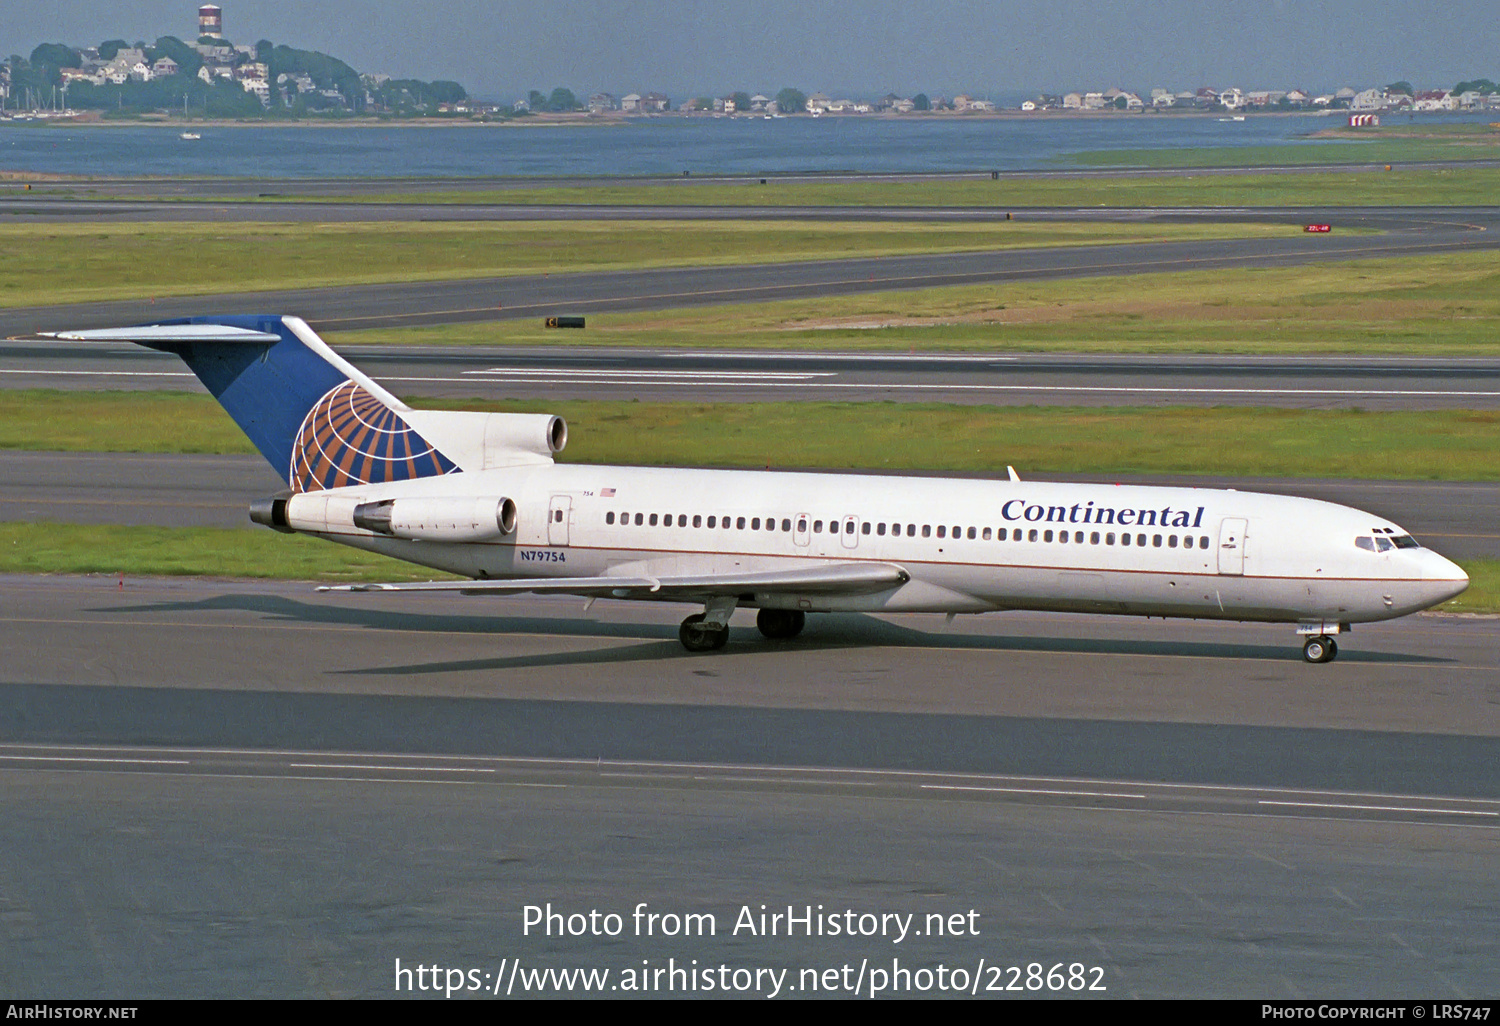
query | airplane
[480, 495]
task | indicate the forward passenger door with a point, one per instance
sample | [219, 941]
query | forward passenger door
[1232, 545]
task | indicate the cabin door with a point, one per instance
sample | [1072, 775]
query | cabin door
[1232, 546]
[559, 516]
[850, 535]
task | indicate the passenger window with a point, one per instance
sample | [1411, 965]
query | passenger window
[609, 517]
[971, 534]
[786, 524]
[1002, 534]
[1094, 538]
[697, 520]
[1171, 541]
[740, 523]
[1203, 542]
[926, 530]
[1109, 539]
[817, 527]
[849, 527]
[1187, 542]
[942, 530]
[865, 528]
[682, 520]
[653, 520]
[986, 534]
[1031, 536]
[1062, 536]
[911, 530]
[958, 532]
[712, 521]
[801, 524]
[770, 523]
[640, 518]
[1046, 536]
[1124, 539]
[1140, 540]
[880, 529]
[1156, 541]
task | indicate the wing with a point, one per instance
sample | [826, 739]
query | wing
[824, 579]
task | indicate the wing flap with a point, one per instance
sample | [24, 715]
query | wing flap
[824, 579]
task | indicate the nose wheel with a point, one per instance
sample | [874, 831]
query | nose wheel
[1321, 649]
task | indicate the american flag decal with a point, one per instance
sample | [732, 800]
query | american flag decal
[607, 493]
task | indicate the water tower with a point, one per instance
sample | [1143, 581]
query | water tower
[211, 21]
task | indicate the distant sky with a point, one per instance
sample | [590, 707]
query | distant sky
[500, 49]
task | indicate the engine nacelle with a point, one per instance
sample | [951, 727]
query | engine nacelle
[440, 519]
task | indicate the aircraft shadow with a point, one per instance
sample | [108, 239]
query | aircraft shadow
[830, 632]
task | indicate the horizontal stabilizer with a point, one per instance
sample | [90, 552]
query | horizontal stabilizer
[147, 334]
[827, 579]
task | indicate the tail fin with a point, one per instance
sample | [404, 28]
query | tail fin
[317, 419]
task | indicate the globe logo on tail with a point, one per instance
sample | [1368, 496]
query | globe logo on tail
[349, 438]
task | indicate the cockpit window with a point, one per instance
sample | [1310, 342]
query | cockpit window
[1384, 543]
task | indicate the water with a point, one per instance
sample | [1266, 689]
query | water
[647, 146]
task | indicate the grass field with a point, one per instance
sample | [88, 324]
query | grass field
[1392, 143]
[70, 263]
[1249, 442]
[1426, 305]
[1401, 186]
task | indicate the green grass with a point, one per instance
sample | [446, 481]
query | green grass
[1392, 143]
[49, 548]
[1417, 445]
[71, 263]
[1402, 186]
[1426, 305]
[1483, 595]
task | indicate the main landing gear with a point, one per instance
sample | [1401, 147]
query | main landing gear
[709, 630]
[1321, 649]
[779, 624]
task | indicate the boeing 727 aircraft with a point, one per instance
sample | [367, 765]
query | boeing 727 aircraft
[479, 495]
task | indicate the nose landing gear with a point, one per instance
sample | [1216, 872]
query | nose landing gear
[1321, 649]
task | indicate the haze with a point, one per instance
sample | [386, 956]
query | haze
[998, 48]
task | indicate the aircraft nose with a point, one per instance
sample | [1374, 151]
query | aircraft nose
[1443, 577]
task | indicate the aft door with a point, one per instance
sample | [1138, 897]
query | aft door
[1232, 546]
[559, 516]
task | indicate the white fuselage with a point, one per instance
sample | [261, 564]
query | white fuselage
[968, 545]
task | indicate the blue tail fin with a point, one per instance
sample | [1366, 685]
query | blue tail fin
[318, 420]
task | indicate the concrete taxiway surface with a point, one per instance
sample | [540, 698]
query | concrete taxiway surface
[307, 788]
[568, 372]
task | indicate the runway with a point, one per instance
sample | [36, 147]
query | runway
[1425, 231]
[578, 372]
[312, 787]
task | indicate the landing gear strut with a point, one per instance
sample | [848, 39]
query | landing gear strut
[781, 623]
[708, 630]
[1321, 649]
